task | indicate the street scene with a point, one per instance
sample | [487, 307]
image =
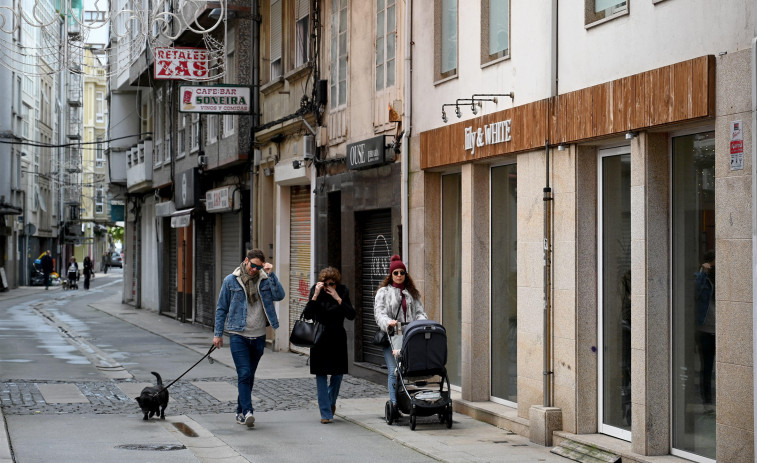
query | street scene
[73, 362]
[457, 230]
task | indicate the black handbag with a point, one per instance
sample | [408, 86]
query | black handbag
[305, 333]
[380, 338]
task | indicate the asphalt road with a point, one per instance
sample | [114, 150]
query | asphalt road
[68, 373]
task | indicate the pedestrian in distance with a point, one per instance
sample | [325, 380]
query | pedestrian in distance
[245, 307]
[87, 271]
[104, 263]
[329, 304]
[47, 267]
[73, 273]
[397, 302]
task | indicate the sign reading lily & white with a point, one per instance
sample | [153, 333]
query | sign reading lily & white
[490, 134]
[181, 63]
[226, 99]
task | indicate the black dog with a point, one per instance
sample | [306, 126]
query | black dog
[154, 399]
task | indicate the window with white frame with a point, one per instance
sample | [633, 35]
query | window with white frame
[229, 120]
[212, 122]
[302, 33]
[99, 107]
[99, 200]
[99, 153]
[93, 16]
[276, 32]
[495, 30]
[182, 134]
[445, 32]
[596, 10]
[386, 43]
[339, 16]
[194, 133]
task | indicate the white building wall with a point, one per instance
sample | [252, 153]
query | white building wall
[149, 278]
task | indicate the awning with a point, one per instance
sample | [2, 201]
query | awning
[164, 209]
[10, 209]
[182, 218]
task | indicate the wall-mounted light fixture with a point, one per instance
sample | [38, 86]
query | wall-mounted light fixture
[268, 171]
[561, 147]
[630, 135]
[475, 102]
[296, 164]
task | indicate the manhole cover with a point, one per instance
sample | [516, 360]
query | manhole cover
[154, 447]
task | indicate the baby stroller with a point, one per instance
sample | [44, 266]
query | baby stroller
[73, 277]
[422, 363]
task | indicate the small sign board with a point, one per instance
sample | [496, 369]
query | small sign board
[181, 63]
[222, 199]
[737, 145]
[226, 99]
[366, 153]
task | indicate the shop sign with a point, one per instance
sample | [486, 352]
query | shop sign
[226, 99]
[490, 134]
[737, 145]
[181, 219]
[222, 199]
[181, 63]
[367, 153]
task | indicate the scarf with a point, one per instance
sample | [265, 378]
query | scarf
[250, 284]
[404, 302]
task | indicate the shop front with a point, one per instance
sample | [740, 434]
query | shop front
[569, 274]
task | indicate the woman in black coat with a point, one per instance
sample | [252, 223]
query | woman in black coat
[329, 304]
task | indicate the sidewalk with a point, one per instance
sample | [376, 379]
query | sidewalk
[469, 440]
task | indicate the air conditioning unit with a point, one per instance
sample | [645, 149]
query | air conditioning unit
[308, 151]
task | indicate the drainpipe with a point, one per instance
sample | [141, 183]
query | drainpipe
[547, 328]
[407, 121]
[754, 220]
[255, 117]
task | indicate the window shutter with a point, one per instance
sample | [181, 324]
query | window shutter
[303, 8]
[275, 29]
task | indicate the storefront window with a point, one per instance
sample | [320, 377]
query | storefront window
[452, 227]
[615, 292]
[504, 262]
[693, 273]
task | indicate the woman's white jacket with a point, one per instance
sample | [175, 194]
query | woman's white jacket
[388, 302]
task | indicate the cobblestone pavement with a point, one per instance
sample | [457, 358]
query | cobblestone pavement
[105, 397]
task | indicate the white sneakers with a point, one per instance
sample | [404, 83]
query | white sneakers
[247, 419]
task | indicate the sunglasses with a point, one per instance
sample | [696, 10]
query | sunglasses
[330, 283]
[254, 266]
[398, 273]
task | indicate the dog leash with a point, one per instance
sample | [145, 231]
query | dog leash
[212, 348]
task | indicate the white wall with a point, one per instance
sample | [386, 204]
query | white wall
[149, 258]
[650, 36]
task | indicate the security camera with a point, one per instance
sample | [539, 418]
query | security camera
[296, 164]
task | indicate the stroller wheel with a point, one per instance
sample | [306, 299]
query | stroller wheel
[388, 415]
[412, 421]
[449, 418]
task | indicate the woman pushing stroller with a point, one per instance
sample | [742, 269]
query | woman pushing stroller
[397, 301]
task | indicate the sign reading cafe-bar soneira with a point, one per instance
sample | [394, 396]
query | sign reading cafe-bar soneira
[215, 99]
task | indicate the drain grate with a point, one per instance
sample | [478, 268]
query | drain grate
[153, 447]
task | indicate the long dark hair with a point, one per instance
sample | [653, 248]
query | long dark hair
[409, 285]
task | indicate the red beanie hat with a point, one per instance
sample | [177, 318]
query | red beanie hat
[396, 263]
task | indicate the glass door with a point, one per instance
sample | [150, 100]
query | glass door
[504, 284]
[693, 304]
[614, 317]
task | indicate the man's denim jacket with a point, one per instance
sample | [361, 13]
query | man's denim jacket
[231, 309]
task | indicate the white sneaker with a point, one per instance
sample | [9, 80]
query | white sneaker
[249, 420]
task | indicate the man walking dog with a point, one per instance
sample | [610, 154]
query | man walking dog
[245, 307]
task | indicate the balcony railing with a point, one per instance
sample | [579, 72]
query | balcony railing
[139, 167]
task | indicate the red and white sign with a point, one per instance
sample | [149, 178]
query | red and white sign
[222, 199]
[737, 145]
[181, 63]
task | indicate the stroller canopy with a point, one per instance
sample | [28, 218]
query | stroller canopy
[424, 349]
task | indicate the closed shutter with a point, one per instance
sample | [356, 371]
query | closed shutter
[173, 264]
[376, 252]
[231, 242]
[275, 30]
[205, 306]
[303, 9]
[299, 249]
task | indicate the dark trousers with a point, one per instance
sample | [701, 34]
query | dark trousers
[706, 344]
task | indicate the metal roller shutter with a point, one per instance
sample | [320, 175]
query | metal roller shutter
[231, 242]
[376, 252]
[173, 264]
[205, 271]
[299, 246]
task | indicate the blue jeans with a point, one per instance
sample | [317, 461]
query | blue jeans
[327, 394]
[246, 353]
[391, 366]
